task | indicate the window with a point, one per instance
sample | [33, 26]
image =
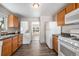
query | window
[3, 23]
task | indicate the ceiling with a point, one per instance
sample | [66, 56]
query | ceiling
[26, 9]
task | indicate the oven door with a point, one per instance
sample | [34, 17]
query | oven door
[66, 49]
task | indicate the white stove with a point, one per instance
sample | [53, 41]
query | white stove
[68, 46]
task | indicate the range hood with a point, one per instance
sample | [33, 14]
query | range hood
[72, 17]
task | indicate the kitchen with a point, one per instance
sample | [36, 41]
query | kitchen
[58, 29]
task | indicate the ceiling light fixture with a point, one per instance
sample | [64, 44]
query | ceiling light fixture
[35, 5]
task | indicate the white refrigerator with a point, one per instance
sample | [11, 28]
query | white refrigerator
[51, 29]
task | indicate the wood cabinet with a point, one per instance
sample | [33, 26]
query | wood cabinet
[20, 40]
[61, 18]
[70, 7]
[7, 47]
[77, 5]
[17, 22]
[13, 21]
[67, 9]
[55, 43]
[10, 45]
[14, 44]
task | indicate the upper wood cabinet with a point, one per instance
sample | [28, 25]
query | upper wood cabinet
[70, 7]
[13, 21]
[7, 47]
[77, 5]
[60, 18]
[67, 9]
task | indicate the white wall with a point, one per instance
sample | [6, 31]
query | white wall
[43, 20]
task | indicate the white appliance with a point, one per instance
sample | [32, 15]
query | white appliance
[26, 32]
[68, 47]
[72, 17]
[51, 29]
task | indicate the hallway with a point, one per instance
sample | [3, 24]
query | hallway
[34, 49]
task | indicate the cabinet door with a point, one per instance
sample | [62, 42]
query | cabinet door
[70, 7]
[13, 21]
[77, 5]
[16, 22]
[14, 44]
[10, 21]
[61, 18]
[7, 47]
[55, 43]
[20, 40]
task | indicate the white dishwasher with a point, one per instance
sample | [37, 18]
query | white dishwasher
[26, 38]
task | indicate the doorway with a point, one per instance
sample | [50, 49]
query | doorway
[35, 30]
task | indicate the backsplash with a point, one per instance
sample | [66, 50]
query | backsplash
[68, 28]
[12, 30]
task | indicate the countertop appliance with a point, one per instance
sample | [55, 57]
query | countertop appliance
[51, 29]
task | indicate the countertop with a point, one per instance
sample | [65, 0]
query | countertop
[7, 36]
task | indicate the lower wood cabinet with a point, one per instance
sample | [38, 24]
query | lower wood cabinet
[55, 43]
[14, 43]
[10, 45]
[20, 40]
[7, 47]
